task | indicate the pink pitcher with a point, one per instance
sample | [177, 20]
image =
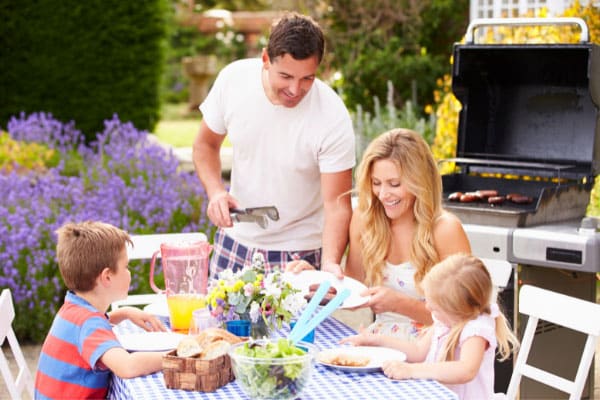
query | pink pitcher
[185, 269]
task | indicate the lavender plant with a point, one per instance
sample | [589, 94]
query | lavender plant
[122, 178]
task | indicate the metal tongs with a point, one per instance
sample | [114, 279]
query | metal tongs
[259, 215]
[304, 325]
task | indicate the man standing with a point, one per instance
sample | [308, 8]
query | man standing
[293, 148]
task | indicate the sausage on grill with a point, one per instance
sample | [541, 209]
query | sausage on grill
[469, 197]
[520, 199]
[488, 193]
[495, 200]
[455, 196]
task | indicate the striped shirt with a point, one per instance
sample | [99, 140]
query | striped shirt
[69, 365]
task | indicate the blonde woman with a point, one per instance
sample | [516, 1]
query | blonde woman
[459, 349]
[400, 230]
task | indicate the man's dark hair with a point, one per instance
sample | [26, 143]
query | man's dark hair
[297, 35]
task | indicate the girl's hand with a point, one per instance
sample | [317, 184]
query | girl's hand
[394, 369]
[363, 338]
[145, 320]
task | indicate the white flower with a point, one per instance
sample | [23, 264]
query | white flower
[254, 311]
[294, 303]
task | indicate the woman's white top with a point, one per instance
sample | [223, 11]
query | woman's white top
[402, 279]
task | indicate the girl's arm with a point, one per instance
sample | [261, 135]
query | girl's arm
[448, 372]
[416, 351]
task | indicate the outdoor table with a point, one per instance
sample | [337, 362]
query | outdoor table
[325, 383]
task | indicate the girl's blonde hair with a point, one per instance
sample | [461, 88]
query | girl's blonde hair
[462, 287]
[418, 172]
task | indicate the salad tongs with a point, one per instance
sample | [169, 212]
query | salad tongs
[304, 325]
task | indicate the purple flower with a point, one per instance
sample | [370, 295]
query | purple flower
[123, 179]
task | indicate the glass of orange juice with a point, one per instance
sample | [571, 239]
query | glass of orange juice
[181, 307]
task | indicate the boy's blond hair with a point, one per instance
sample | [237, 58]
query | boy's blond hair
[84, 249]
[462, 287]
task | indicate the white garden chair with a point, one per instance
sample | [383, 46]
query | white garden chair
[144, 246]
[24, 380]
[570, 312]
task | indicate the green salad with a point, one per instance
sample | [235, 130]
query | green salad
[272, 369]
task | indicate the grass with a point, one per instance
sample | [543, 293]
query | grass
[178, 126]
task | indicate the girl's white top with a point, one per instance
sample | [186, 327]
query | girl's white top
[400, 278]
[482, 386]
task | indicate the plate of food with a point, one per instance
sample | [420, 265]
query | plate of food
[358, 358]
[150, 341]
[308, 282]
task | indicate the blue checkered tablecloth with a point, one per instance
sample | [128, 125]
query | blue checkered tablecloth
[325, 383]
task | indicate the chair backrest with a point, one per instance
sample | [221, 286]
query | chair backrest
[500, 271]
[24, 379]
[570, 312]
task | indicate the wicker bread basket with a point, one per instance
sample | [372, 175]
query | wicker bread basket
[196, 374]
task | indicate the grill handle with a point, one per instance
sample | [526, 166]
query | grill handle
[482, 22]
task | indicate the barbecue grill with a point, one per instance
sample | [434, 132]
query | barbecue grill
[529, 124]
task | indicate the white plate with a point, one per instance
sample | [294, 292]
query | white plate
[160, 308]
[377, 356]
[304, 279]
[150, 341]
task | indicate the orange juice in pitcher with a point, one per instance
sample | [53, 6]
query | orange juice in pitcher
[181, 307]
[185, 269]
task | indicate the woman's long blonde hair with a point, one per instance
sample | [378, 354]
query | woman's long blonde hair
[418, 172]
[462, 287]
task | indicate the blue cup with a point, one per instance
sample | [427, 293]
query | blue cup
[310, 336]
[239, 327]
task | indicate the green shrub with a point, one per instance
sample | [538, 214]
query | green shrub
[83, 61]
[368, 126]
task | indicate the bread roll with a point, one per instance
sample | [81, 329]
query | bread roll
[189, 347]
[210, 335]
[215, 349]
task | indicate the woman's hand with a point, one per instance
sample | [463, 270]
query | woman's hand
[383, 299]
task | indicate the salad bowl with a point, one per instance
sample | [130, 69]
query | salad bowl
[272, 369]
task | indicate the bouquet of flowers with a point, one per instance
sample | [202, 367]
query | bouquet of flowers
[250, 294]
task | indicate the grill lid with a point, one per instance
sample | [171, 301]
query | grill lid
[530, 103]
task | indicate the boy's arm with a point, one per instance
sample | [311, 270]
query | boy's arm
[141, 318]
[449, 372]
[130, 365]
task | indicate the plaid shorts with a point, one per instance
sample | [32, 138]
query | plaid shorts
[227, 253]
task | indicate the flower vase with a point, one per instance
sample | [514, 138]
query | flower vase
[259, 329]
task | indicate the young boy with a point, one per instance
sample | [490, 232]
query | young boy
[81, 349]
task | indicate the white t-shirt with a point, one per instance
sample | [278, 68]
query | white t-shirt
[279, 153]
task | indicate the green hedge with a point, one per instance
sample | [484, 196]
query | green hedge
[83, 60]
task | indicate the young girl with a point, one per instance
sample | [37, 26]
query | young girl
[459, 348]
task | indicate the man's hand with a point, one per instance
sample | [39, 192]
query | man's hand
[218, 209]
[297, 266]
